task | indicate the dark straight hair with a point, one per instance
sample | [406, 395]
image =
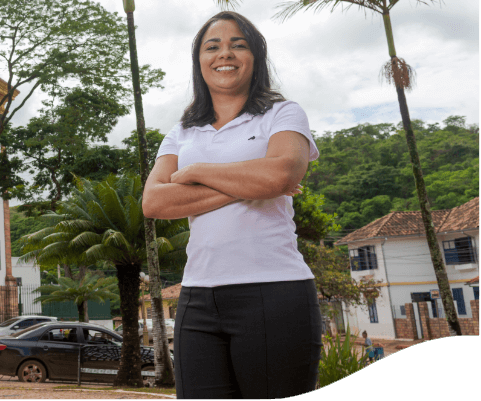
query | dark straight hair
[261, 97]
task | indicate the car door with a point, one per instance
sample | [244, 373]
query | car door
[58, 348]
[100, 355]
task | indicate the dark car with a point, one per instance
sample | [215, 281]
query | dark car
[51, 350]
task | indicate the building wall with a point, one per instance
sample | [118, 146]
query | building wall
[407, 262]
[29, 273]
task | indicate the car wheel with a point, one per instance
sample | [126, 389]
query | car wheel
[148, 380]
[32, 372]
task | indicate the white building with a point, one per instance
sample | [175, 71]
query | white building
[394, 249]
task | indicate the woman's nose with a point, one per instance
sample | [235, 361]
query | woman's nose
[226, 52]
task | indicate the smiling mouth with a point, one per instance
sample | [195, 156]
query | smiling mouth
[226, 69]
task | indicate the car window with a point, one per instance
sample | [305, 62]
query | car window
[64, 334]
[25, 332]
[98, 337]
[44, 320]
[8, 322]
[23, 324]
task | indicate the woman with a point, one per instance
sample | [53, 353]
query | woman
[248, 323]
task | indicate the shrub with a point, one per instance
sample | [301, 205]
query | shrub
[339, 360]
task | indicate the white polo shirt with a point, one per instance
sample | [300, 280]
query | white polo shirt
[248, 241]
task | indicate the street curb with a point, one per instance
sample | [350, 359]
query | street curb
[117, 391]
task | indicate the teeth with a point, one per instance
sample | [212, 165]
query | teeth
[225, 68]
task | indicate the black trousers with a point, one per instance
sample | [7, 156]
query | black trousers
[260, 340]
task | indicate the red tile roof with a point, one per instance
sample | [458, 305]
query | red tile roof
[172, 292]
[473, 281]
[410, 223]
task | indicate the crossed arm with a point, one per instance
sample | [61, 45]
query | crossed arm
[276, 174]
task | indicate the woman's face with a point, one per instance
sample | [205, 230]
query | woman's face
[226, 62]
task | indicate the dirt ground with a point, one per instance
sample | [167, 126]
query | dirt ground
[11, 388]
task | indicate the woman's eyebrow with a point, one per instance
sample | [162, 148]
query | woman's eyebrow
[233, 39]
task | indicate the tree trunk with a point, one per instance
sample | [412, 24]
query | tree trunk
[164, 371]
[81, 312]
[436, 257]
[86, 311]
[67, 271]
[438, 264]
[130, 363]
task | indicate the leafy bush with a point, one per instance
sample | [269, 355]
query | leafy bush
[339, 360]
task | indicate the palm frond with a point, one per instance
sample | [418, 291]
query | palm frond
[103, 252]
[227, 4]
[54, 252]
[76, 211]
[135, 216]
[163, 246]
[76, 226]
[116, 239]
[112, 205]
[99, 216]
[181, 240]
[289, 8]
[52, 218]
[29, 256]
[37, 236]
[86, 239]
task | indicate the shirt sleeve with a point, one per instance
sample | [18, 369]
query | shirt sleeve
[169, 143]
[289, 116]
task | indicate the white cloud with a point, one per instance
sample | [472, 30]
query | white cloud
[327, 62]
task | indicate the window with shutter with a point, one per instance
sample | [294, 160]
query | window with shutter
[459, 298]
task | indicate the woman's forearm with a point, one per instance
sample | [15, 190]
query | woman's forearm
[263, 178]
[176, 201]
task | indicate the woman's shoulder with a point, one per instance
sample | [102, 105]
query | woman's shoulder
[284, 106]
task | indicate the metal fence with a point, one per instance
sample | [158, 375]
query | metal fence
[19, 301]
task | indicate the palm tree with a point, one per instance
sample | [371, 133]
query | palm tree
[103, 221]
[398, 72]
[89, 288]
[164, 370]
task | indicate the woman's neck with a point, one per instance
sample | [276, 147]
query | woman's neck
[226, 108]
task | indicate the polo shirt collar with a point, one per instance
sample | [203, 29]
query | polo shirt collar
[235, 122]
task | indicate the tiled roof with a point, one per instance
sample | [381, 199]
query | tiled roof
[172, 292]
[410, 223]
[473, 280]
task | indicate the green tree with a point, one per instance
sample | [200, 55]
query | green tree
[54, 141]
[398, 72]
[89, 288]
[103, 221]
[47, 42]
[330, 267]
[130, 155]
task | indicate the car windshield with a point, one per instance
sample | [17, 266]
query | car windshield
[8, 322]
[20, 334]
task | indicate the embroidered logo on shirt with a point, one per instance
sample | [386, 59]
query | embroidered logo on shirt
[252, 138]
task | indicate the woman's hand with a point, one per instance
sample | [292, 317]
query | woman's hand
[184, 176]
[296, 190]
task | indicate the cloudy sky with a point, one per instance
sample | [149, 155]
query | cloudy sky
[327, 62]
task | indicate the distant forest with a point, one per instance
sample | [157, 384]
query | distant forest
[365, 172]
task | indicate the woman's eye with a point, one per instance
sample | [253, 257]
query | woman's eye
[234, 46]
